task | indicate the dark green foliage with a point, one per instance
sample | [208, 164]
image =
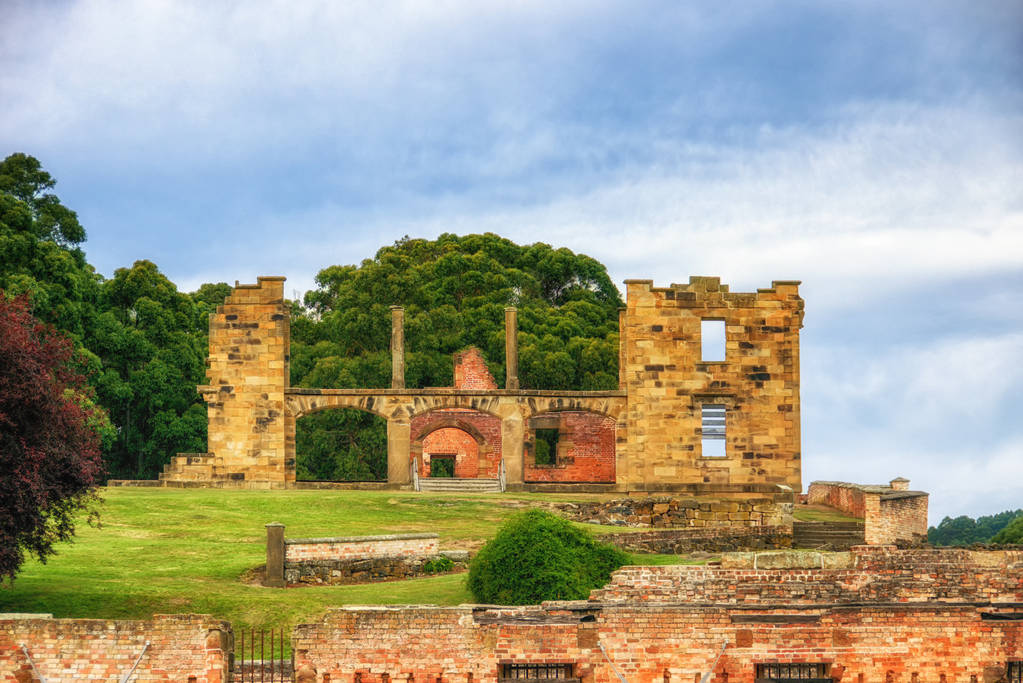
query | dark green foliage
[442, 467]
[438, 565]
[341, 445]
[454, 290]
[965, 530]
[1012, 533]
[546, 447]
[537, 556]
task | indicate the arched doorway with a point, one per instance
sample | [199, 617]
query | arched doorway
[456, 443]
[341, 444]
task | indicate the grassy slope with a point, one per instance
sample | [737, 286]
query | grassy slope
[164, 551]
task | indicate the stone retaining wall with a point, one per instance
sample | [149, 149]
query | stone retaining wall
[891, 513]
[674, 512]
[706, 539]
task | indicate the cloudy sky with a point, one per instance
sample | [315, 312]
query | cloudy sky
[873, 150]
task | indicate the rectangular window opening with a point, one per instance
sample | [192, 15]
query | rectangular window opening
[442, 465]
[712, 340]
[546, 449]
[1015, 672]
[712, 428]
[793, 673]
[543, 672]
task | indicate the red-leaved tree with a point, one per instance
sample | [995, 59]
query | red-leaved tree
[49, 454]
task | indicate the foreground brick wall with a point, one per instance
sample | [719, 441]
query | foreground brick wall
[880, 574]
[655, 643]
[182, 648]
[667, 384]
[890, 513]
[360, 547]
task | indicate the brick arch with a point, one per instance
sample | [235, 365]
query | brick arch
[482, 427]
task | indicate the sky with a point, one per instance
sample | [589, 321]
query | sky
[873, 150]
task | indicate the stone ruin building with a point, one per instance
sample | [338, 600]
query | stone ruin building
[724, 424]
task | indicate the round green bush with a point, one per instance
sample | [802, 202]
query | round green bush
[537, 556]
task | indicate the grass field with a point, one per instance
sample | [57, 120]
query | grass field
[168, 551]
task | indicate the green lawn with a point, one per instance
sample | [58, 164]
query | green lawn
[161, 551]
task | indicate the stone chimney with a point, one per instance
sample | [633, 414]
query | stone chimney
[900, 484]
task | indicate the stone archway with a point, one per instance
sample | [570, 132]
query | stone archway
[471, 437]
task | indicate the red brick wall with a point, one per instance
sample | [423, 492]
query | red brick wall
[471, 371]
[655, 643]
[181, 647]
[586, 451]
[301, 550]
[478, 452]
[844, 497]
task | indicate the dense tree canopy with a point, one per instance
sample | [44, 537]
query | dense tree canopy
[50, 433]
[454, 290]
[965, 530]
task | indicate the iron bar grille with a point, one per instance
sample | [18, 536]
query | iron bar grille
[1015, 673]
[713, 421]
[554, 672]
[786, 673]
[260, 656]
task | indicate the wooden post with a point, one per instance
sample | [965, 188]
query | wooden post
[274, 555]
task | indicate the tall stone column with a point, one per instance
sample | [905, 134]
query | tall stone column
[622, 328]
[511, 348]
[513, 437]
[397, 347]
[399, 444]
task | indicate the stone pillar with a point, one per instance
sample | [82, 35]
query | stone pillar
[397, 347]
[399, 443]
[621, 349]
[513, 437]
[274, 555]
[511, 349]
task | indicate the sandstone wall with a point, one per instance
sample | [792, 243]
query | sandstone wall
[671, 512]
[192, 648]
[360, 547]
[668, 382]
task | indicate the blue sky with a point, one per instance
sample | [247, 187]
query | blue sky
[873, 150]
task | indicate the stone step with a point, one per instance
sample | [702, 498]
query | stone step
[832, 535]
[460, 485]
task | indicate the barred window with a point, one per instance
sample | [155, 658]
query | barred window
[794, 673]
[1015, 672]
[712, 428]
[555, 672]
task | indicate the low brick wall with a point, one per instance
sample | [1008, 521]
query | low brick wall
[181, 648]
[882, 574]
[655, 643]
[674, 512]
[705, 539]
[891, 513]
[359, 547]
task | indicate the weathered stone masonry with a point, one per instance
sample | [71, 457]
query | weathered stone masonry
[655, 416]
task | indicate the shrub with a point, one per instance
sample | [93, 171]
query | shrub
[537, 556]
[438, 565]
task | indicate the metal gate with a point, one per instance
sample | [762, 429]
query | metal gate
[259, 656]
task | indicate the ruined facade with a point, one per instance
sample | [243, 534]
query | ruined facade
[651, 434]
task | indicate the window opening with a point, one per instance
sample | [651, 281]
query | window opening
[1015, 672]
[442, 465]
[712, 340]
[553, 672]
[712, 425]
[546, 448]
[793, 673]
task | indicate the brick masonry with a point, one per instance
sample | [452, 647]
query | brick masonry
[891, 513]
[184, 648]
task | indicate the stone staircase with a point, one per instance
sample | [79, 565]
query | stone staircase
[827, 535]
[449, 485]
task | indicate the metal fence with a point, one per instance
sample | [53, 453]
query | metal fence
[259, 656]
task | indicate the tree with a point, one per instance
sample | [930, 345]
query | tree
[454, 290]
[965, 530]
[536, 556]
[1012, 533]
[50, 458]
